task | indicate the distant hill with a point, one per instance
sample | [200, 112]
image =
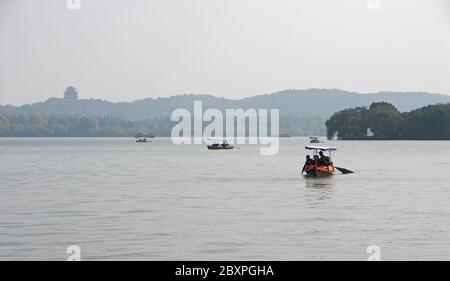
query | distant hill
[313, 102]
[303, 112]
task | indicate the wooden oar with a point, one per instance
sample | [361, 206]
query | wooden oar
[344, 171]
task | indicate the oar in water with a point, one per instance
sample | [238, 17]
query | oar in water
[344, 171]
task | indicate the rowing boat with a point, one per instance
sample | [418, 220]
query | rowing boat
[315, 167]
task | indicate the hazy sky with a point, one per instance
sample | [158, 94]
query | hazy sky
[123, 50]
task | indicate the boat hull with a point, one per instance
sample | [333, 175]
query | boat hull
[315, 171]
[210, 147]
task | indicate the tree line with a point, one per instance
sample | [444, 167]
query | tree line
[35, 125]
[383, 121]
[38, 125]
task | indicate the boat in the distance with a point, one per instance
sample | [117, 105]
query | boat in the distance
[220, 146]
[314, 139]
[142, 140]
[317, 167]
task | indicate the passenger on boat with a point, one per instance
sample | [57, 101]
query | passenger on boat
[316, 159]
[308, 161]
[324, 160]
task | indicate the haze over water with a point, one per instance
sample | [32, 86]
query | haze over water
[120, 200]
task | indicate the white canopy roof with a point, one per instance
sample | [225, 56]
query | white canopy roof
[321, 148]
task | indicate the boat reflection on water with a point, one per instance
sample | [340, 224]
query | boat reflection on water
[319, 183]
[319, 191]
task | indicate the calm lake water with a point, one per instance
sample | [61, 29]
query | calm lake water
[119, 200]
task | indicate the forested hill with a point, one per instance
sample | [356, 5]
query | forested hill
[302, 112]
[382, 121]
[293, 103]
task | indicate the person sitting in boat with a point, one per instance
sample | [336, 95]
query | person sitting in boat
[324, 160]
[316, 159]
[307, 162]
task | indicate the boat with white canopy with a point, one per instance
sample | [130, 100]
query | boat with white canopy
[320, 164]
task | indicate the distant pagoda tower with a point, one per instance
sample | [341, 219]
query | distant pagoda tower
[71, 93]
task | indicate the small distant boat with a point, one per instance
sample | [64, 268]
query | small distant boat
[142, 140]
[316, 167]
[284, 135]
[219, 146]
[314, 140]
